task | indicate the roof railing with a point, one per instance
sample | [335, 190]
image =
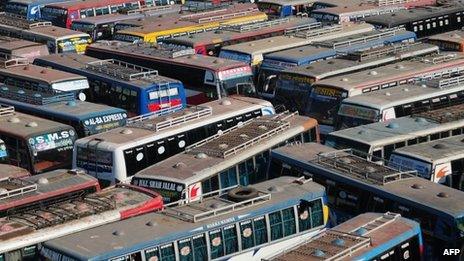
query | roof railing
[6, 110]
[319, 31]
[443, 115]
[227, 16]
[382, 221]
[203, 13]
[391, 2]
[441, 58]
[383, 51]
[20, 186]
[17, 94]
[303, 27]
[21, 21]
[148, 9]
[447, 82]
[8, 61]
[257, 26]
[193, 113]
[116, 69]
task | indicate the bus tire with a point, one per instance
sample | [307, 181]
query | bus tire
[242, 193]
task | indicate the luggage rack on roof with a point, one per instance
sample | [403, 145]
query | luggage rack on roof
[256, 26]
[436, 59]
[148, 9]
[373, 53]
[222, 17]
[8, 61]
[161, 50]
[360, 168]
[120, 69]
[187, 115]
[12, 187]
[239, 137]
[21, 21]
[444, 83]
[443, 115]
[6, 110]
[17, 94]
[319, 31]
[303, 27]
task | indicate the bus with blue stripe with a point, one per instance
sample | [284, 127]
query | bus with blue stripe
[355, 185]
[30, 9]
[137, 89]
[274, 63]
[3, 152]
[85, 117]
[238, 223]
[369, 236]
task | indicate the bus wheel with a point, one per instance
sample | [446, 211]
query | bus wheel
[242, 193]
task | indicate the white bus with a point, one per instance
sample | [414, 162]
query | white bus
[381, 139]
[387, 104]
[441, 161]
[238, 156]
[150, 138]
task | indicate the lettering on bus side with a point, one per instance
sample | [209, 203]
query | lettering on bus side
[158, 184]
[220, 223]
[105, 119]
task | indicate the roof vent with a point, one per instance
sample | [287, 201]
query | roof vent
[420, 120]
[37, 95]
[21, 92]
[251, 44]
[126, 131]
[71, 103]
[387, 94]
[32, 124]
[399, 66]
[42, 181]
[223, 146]
[179, 165]
[263, 127]
[370, 169]
[26, 68]
[43, 72]
[338, 242]
[226, 102]
[439, 146]
[424, 85]
[443, 195]
[215, 205]
[244, 136]
[406, 89]
[118, 233]
[4, 88]
[345, 160]
[372, 73]
[360, 231]
[331, 62]
[201, 155]
[274, 189]
[318, 253]
[393, 125]
[271, 41]
[362, 132]
[14, 120]
[150, 224]
[118, 197]
[417, 186]
[344, 79]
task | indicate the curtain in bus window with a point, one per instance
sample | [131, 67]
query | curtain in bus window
[185, 250]
[288, 217]
[229, 178]
[247, 235]
[199, 247]
[217, 246]
[275, 220]
[304, 216]
[261, 166]
[230, 239]
[152, 253]
[167, 253]
[316, 213]
[260, 230]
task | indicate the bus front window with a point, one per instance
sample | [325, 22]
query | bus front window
[352, 116]
[57, 16]
[83, 27]
[241, 86]
[52, 150]
[292, 91]
[324, 103]
[73, 45]
[460, 225]
[16, 8]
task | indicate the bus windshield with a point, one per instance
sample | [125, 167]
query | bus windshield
[323, 103]
[83, 27]
[408, 163]
[52, 150]
[73, 45]
[94, 160]
[292, 91]
[343, 143]
[57, 16]
[243, 57]
[238, 80]
[352, 115]
[16, 8]
[171, 191]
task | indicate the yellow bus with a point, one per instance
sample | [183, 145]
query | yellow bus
[193, 23]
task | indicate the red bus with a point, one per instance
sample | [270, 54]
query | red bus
[62, 14]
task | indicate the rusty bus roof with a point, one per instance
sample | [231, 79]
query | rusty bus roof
[82, 4]
[39, 73]
[10, 171]
[57, 32]
[405, 185]
[287, 2]
[11, 43]
[207, 157]
[358, 235]
[456, 36]
[219, 109]
[353, 8]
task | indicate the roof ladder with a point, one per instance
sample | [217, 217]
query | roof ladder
[6, 110]
[379, 222]
[117, 69]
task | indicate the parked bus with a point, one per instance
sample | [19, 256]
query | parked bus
[74, 215]
[241, 158]
[205, 78]
[449, 41]
[404, 3]
[440, 161]
[210, 42]
[57, 39]
[252, 52]
[292, 86]
[186, 24]
[281, 8]
[387, 104]
[368, 236]
[352, 12]
[85, 117]
[36, 144]
[355, 185]
[266, 218]
[381, 139]
[137, 89]
[30, 9]
[423, 21]
[10, 171]
[22, 48]
[112, 156]
[326, 95]
[62, 14]
[276, 62]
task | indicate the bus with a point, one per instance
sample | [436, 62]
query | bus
[291, 86]
[440, 161]
[75, 214]
[380, 139]
[423, 21]
[276, 62]
[139, 90]
[355, 185]
[387, 104]
[351, 13]
[281, 8]
[326, 95]
[449, 41]
[252, 52]
[30, 9]
[62, 14]
[368, 236]
[10, 171]
[35, 144]
[57, 39]
[404, 3]
[186, 24]
[86, 118]
[204, 77]
[16, 47]
[210, 42]
[266, 218]
[116, 155]
[236, 156]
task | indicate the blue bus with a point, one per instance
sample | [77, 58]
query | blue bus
[137, 89]
[85, 117]
[284, 8]
[355, 185]
[276, 62]
[31, 9]
[238, 223]
[369, 236]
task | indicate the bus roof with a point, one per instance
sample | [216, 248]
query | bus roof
[404, 185]
[10, 171]
[405, 128]
[203, 159]
[117, 70]
[25, 125]
[287, 2]
[391, 72]
[434, 151]
[57, 32]
[108, 18]
[361, 235]
[353, 8]
[301, 38]
[214, 110]
[356, 60]
[81, 4]
[456, 36]
[135, 233]
[41, 187]
[37, 2]
[10, 43]
[167, 53]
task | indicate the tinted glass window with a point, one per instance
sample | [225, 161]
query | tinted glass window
[275, 220]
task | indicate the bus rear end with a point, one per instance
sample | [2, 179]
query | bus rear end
[57, 15]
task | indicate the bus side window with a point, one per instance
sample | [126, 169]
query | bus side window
[275, 221]
[185, 249]
[388, 149]
[200, 250]
[247, 234]
[261, 162]
[230, 239]
[167, 252]
[152, 254]
[216, 243]
[288, 216]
